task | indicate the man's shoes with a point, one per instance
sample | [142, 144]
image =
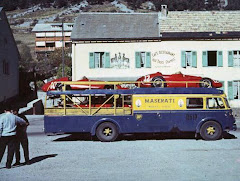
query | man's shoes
[16, 164]
[27, 163]
[8, 166]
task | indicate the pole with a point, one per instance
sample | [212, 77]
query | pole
[63, 63]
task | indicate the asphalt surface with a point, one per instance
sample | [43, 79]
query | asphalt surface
[133, 157]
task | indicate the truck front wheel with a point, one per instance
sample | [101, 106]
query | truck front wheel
[211, 130]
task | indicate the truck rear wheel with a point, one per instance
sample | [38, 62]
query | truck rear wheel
[107, 132]
[211, 130]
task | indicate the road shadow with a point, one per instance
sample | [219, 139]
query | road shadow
[140, 136]
[228, 136]
[76, 137]
[37, 159]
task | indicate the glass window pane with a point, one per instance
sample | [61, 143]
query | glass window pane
[143, 58]
[235, 90]
[215, 103]
[194, 103]
[189, 58]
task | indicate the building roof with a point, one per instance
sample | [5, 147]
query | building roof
[92, 26]
[200, 21]
[52, 27]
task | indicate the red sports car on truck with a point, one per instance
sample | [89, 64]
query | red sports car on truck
[55, 84]
[177, 80]
[151, 80]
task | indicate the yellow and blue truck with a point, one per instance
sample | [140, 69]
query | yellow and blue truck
[107, 113]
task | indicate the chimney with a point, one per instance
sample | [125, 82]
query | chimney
[164, 11]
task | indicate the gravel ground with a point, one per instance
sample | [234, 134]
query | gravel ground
[65, 157]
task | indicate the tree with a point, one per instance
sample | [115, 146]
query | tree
[212, 4]
[26, 59]
[61, 3]
[233, 5]
[49, 65]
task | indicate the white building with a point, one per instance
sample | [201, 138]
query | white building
[9, 58]
[49, 36]
[117, 46]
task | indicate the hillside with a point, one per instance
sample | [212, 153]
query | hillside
[23, 20]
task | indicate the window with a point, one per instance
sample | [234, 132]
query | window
[50, 44]
[68, 44]
[5, 67]
[189, 59]
[143, 59]
[236, 89]
[212, 59]
[194, 103]
[215, 103]
[99, 60]
[234, 58]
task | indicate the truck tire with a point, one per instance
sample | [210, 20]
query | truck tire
[107, 132]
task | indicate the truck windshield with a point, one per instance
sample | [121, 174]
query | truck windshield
[215, 103]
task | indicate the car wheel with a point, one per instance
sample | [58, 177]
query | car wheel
[59, 86]
[205, 82]
[158, 82]
[109, 87]
[211, 130]
[107, 132]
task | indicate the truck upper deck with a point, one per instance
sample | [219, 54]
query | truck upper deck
[178, 90]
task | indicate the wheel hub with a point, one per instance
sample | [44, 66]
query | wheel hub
[107, 131]
[211, 130]
[158, 83]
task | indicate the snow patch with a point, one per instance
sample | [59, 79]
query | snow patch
[150, 5]
[122, 7]
[28, 11]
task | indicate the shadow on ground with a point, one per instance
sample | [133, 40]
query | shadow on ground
[38, 159]
[135, 137]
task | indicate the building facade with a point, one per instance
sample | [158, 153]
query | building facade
[9, 61]
[52, 36]
[128, 46]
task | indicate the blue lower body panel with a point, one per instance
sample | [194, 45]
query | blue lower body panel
[140, 122]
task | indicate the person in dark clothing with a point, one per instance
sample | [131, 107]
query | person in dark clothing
[8, 125]
[21, 139]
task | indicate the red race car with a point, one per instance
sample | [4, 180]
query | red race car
[55, 85]
[150, 80]
[177, 80]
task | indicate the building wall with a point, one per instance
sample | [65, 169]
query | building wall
[48, 41]
[165, 57]
[9, 57]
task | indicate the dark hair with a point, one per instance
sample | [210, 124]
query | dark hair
[15, 109]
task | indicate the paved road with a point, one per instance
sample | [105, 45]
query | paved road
[165, 157]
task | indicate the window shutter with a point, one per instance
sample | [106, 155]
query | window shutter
[230, 58]
[219, 59]
[183, 59]
[204, 59]
[194, 59]
[148, 60]
[230, 90]
[91, 60]
[137, 60]
[107, 60]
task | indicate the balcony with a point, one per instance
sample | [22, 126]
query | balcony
[51, 39]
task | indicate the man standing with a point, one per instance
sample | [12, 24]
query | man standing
[8, 125]
[21, 139]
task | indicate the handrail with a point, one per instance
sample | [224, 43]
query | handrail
[116, 83]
